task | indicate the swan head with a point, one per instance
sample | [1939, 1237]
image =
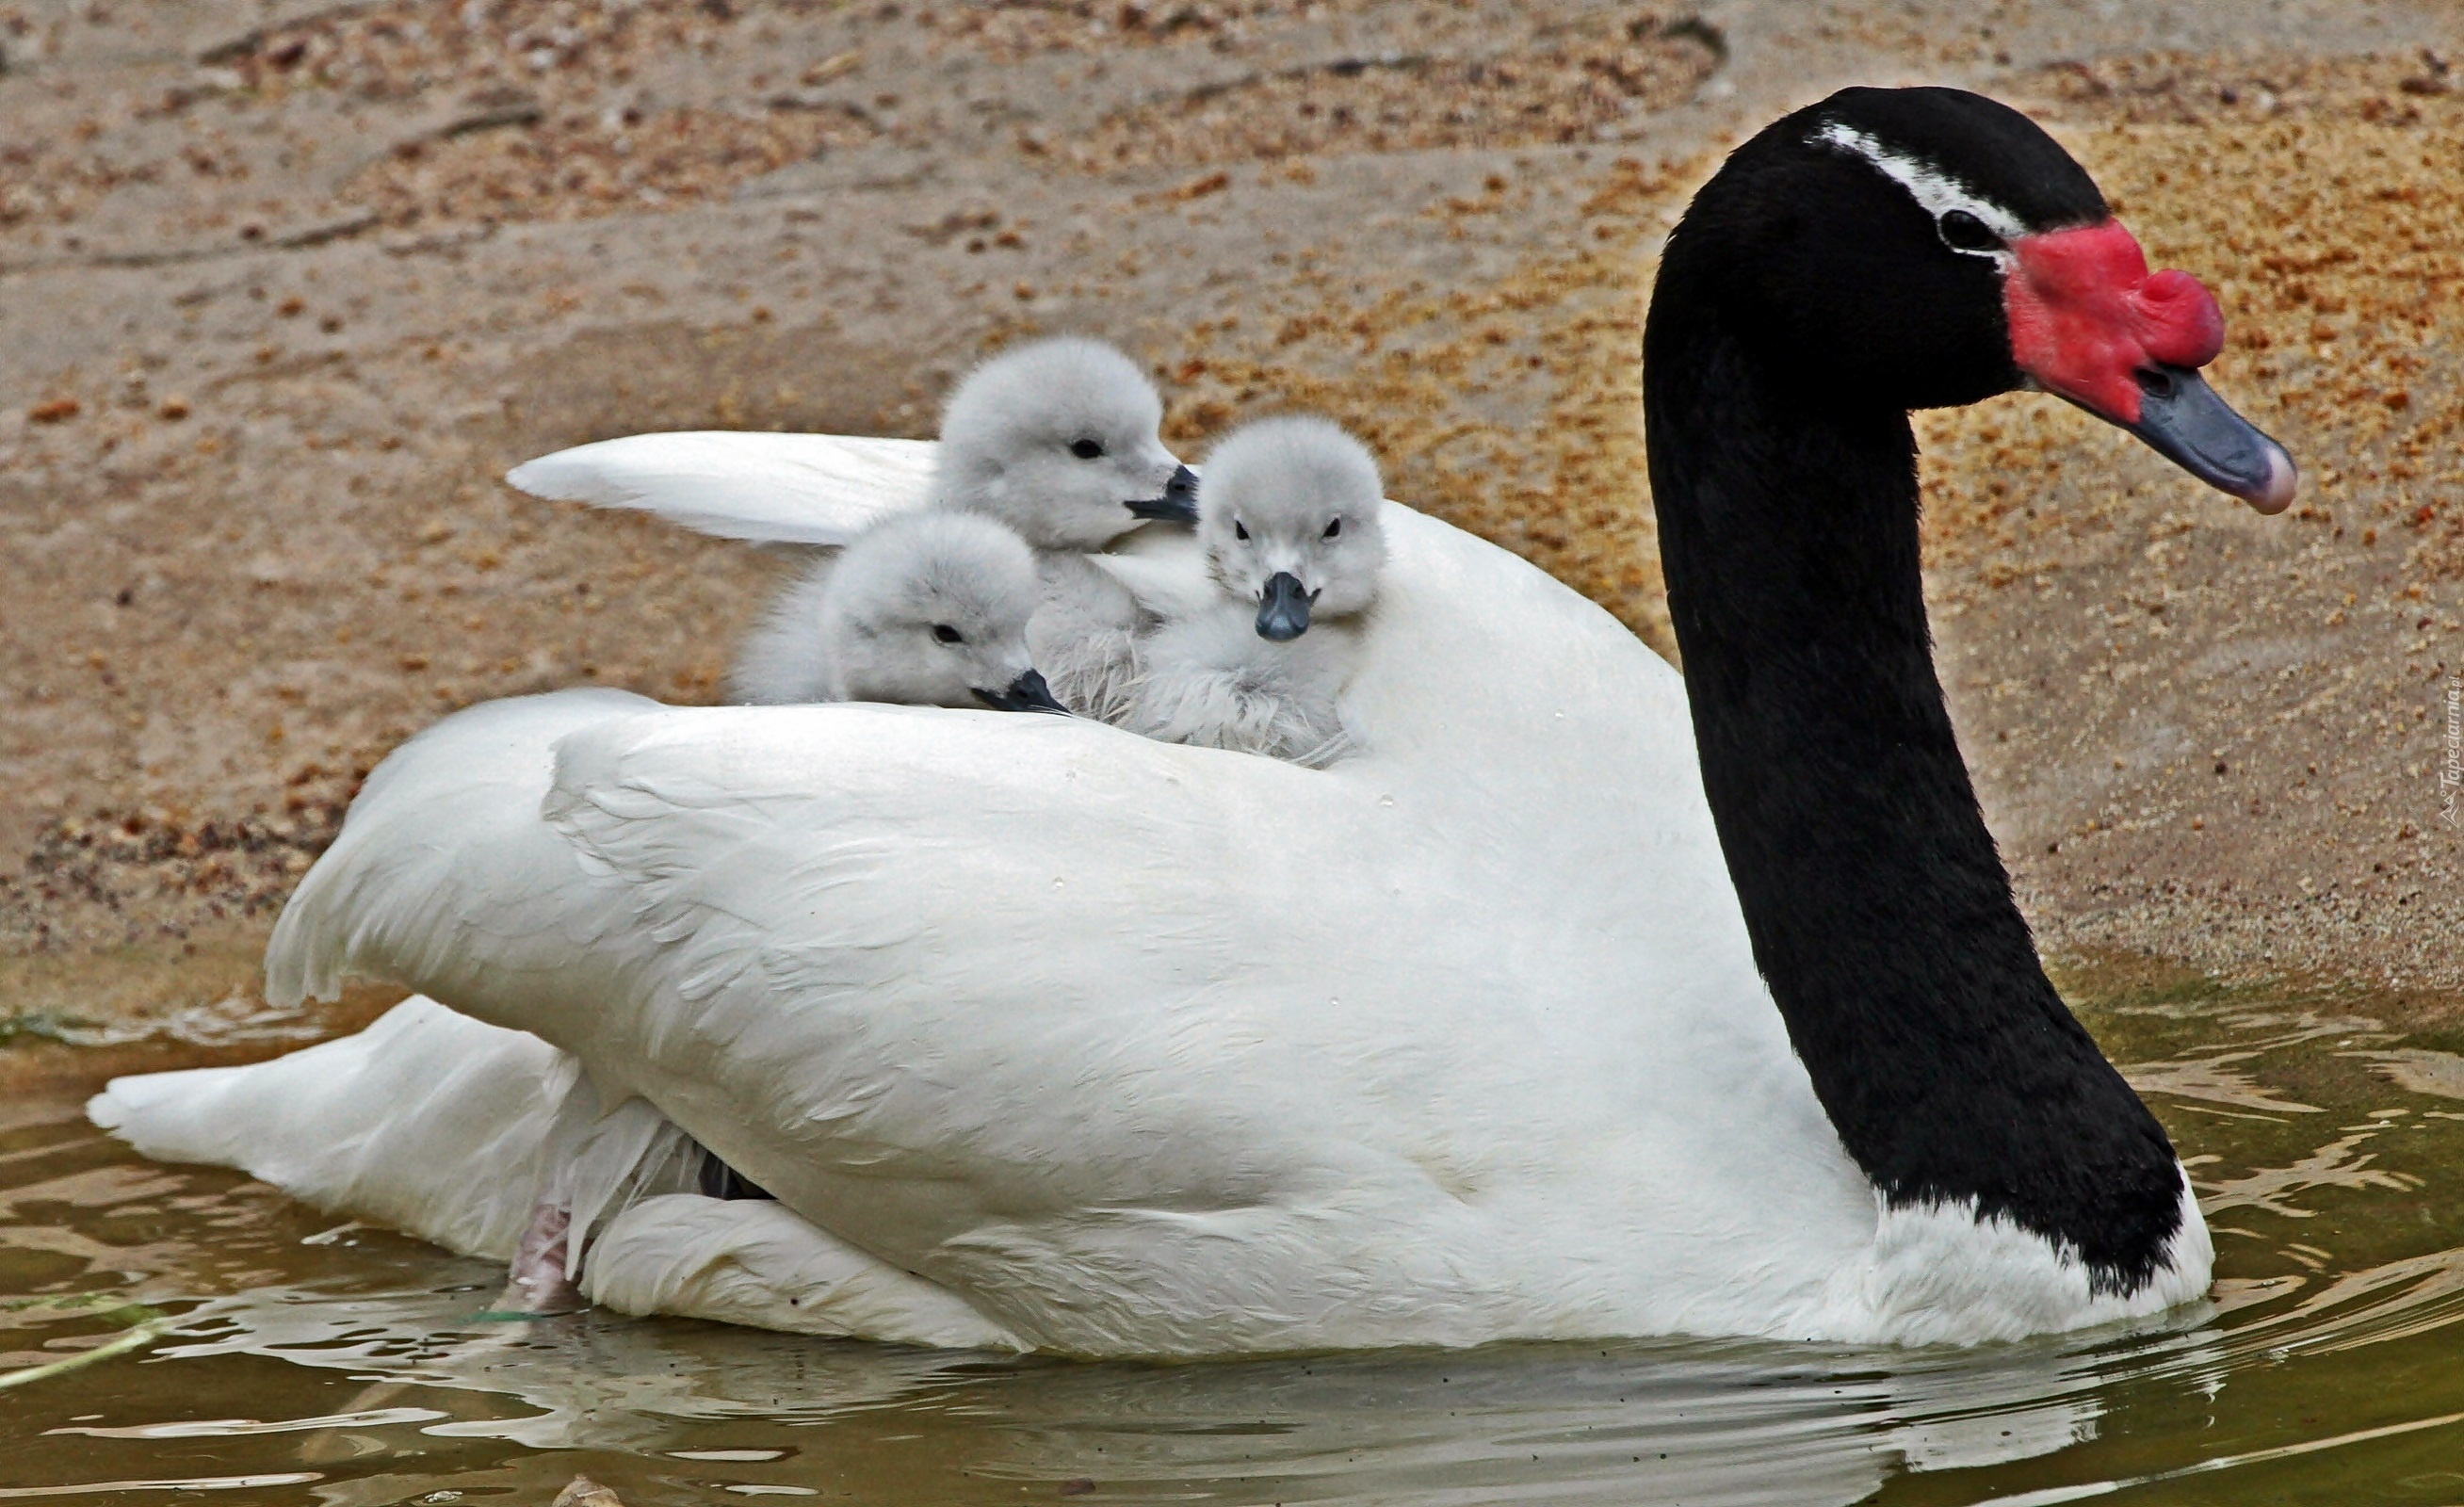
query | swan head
[1289, 515]
[1929, 248]
[1058, 440]
[929, 609]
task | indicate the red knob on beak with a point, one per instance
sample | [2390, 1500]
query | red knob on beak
[2177, 319]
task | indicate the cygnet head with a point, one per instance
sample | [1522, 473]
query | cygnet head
[1290, 516]
[1058, 440]
[929, 609]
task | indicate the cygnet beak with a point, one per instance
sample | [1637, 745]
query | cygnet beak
[1178, 503]
[1284, 608]
[1026, 693]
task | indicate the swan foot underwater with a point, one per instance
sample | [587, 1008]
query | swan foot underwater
[1579, 1000]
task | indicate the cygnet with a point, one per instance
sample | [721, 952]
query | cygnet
[1058, 440]
[1288, 515]
[926, 609]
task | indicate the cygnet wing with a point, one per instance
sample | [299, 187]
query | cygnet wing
[773, 489]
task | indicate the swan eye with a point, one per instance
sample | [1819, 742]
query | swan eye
[1088, 449]
[1333, 529]
[948, 634]
[1962, 231]
[1239, 530]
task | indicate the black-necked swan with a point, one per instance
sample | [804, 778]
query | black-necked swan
[1528, 1021]
[1288, 515]
[924, 609]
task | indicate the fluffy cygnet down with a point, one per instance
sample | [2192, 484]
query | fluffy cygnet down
[1058, 440]
[926, 609]
[1289, 518]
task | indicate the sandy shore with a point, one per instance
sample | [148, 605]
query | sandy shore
[284, 289]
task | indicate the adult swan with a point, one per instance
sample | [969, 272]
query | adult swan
[1049, 1035]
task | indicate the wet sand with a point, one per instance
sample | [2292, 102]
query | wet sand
[284, 289]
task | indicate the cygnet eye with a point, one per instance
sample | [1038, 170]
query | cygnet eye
[1335, 528]
[1962, 231]
[948, 634]
[1239, 530]
[1087, 449]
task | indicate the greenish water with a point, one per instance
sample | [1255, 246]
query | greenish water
[273, 1357]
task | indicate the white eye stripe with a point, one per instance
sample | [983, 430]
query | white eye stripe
[1935, 191]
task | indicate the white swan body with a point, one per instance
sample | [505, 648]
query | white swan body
[985, 999]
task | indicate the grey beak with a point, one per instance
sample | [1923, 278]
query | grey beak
[1178, 503]
[1284, 608]
[1026, 693]
[2182, 419]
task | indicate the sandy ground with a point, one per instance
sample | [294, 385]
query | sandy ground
[285, 287]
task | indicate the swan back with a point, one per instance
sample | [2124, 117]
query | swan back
[1058, 440]
[1294, 496]
[924, 609]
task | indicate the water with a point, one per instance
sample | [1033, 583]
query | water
[272, 1354]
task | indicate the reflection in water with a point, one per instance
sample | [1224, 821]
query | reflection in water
[2340, 1163]
[186, 1483]
[2211, 1081]
[234, 1428]
[2224, 1462]
[1714, 1422]
[300, 1362]
[2419, 1071]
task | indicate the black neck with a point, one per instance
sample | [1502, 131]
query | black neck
[1881, 914]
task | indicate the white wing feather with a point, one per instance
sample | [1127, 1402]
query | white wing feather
[772, 489]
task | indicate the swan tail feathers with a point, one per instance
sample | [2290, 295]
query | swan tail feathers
[426, 1122]
[773, 489]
